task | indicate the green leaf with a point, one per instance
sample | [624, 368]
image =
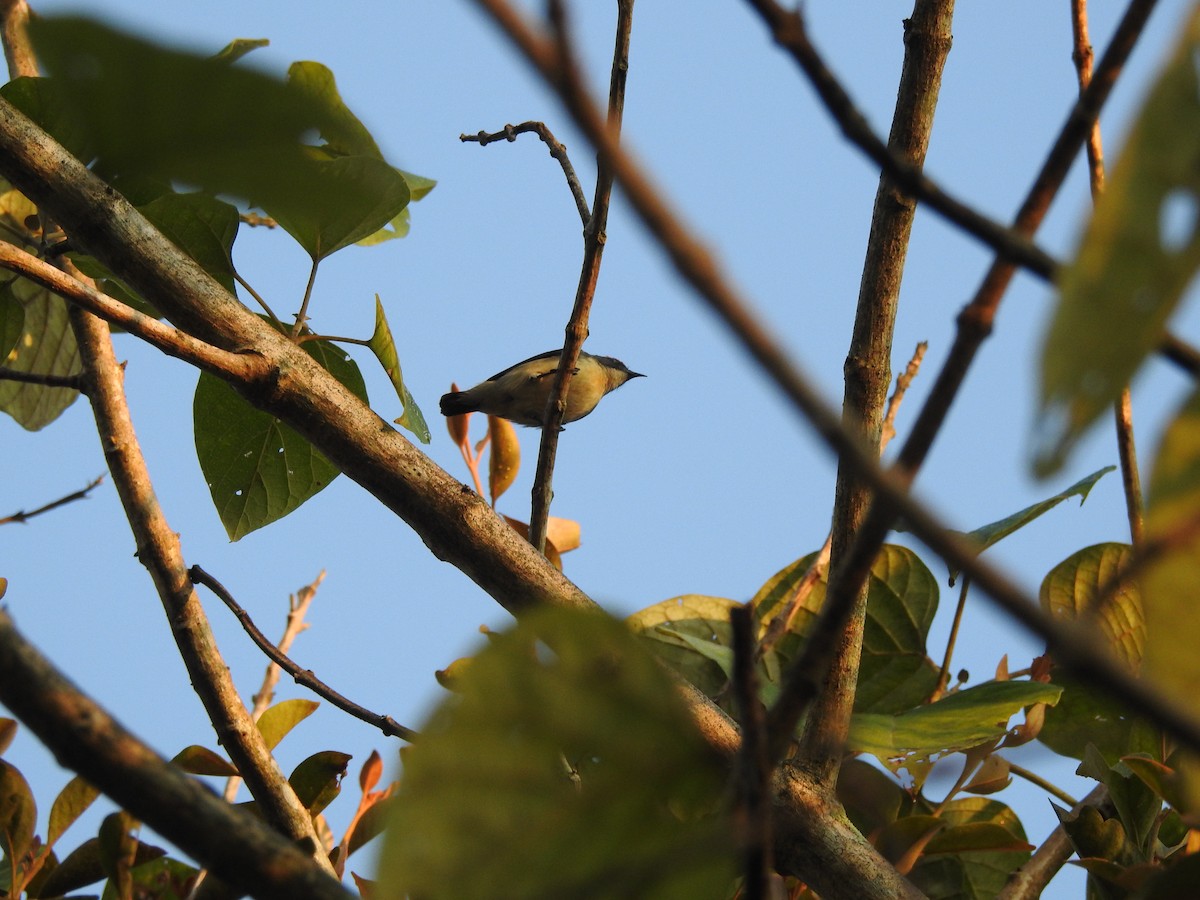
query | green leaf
[1139, 253]
[556, 771]
[323, 221]
[18, 817]
[956, 722]
[1170, 584]
[343, 133]
[281, 718]
[239, 47]
[972, 858]
[996, 531]
[318, 780]
[202, 227]
[258, 469]
[45, 103]
[399, 226]
[384, 348]
[1085, 715]
[159, 113]
[1070, 589]
[676, 626]
[198, 760]
[68, 806]
[46, 346]
[12, 321]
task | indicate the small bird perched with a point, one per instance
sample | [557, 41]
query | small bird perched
[520, 392]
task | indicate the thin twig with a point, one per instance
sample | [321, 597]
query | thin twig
[22, 516]
[594, 239]
[69, 382]
[944, 672]
[1081, 55]
[557, 150]
[1184, 355]
[242, 849]
[302, 677]
[903, 381]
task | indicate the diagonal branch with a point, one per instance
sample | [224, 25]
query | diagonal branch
[85, 738]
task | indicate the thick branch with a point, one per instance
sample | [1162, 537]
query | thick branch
[238, 847]
[868, 362]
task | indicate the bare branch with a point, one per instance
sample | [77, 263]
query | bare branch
[239, 848]
[22, 516]
[557, 150]
[303, 677]
[1029, 881]
[70, 382]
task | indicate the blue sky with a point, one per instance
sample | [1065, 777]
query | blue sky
[697, 479]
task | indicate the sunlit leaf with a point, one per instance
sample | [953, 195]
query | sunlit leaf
[257, 468]
[1087, 715]
[45, 346]
[343, 133]
[992, 533]
[384, 348]
[239, 47]
[1070, 589]
[370, 825]
[1139, 253]
[371, 772]
[956, 722]
[199, 760]
[276, 721]
[565, 533]
[1171, 584]
[551, 552]
[18, 817]
[202, 227]
[68, 806]
[674, 624]
[571, 767]
[318, 780]
[504, 461]
[973, 857]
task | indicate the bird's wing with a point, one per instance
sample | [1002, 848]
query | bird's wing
[549, 354]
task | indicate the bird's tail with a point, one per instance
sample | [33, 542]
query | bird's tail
[456, 403]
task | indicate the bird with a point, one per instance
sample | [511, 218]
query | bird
[520, 392]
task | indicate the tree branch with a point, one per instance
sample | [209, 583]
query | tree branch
[868, 362]
[21, 516]
[557, 150]
[594, 238]
[303, 677]
[242, 850]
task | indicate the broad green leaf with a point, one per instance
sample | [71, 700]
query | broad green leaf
[1070, 589]
[1170, 585]
[571, 763]
[673, 626]
[202, 227]
[12, 321]
[46, 346]
[257, 468]
[68, 806]
[954, 869]
[44, 102]
[343, 133]
[1136, 803]
[895, 673]
[150, 111]
[399, 226]
[318, 780]
[956, 722]
[871, 797]
[18, 817]
[1086, 715]
[384, 348]
[198, 760]
[322, 220]
[1139, 253]
[281, 718]
[996, 531]
[504, 458]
